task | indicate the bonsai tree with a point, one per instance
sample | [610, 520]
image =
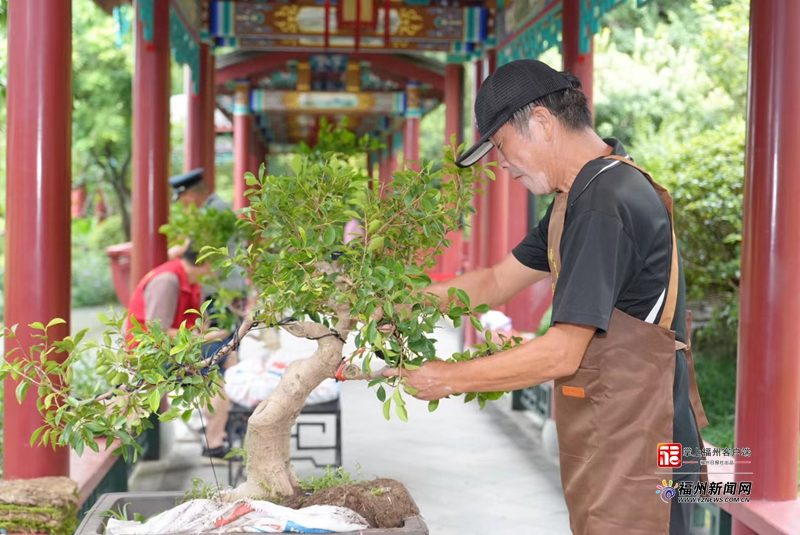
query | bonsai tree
[310, 283]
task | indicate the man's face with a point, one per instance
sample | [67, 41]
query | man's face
[189, 198]
[527, 158]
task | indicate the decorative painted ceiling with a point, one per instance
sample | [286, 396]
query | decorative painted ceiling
[308, 59]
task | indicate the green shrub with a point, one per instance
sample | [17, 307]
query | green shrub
[91, 279]
[705, 176]
[106, 233]
[716, 378]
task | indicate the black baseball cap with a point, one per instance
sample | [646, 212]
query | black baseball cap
[181, 183]
[506, 90]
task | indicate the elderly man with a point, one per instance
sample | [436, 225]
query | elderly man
[617, 346]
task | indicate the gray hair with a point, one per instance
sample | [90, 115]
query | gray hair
[569, 106]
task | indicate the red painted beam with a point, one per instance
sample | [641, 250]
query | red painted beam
[581, 65]
[151, 90]
[37, 286]
[768, 391]
[272, 61]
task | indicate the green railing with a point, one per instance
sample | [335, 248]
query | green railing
[116, 479]
[535, 399]
[708, 519]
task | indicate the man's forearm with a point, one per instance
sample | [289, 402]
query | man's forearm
[556, 354]
[493, 286]
[479, 285]
[521, 367]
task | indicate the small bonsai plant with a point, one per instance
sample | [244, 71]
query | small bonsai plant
[311, 284]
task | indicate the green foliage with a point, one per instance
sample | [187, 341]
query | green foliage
[122, 514]
[334, 477]
[307, 268]
[102, 82]
[202, 226]
[705, 176]
[716, 378]
[151, 366]
[91, 269]
[719, 337]
[200, 491]
[106, 233]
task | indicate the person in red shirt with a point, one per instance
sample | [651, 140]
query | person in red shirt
[164, 295]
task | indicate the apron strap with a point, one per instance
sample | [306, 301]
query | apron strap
[672, 287]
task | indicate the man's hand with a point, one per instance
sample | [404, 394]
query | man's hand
[177, 251]
[386, 328]
[431, 380]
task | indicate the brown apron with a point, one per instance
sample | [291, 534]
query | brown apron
[615, 410]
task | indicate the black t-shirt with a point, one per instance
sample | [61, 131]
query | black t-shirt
[616, 252]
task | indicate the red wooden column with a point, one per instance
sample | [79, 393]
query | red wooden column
[413, 116]
[498, 202]
[209, 98]
[151, 90]
[386, 170]
[482, 200]
[242, 131]
[195, 131]
[475, 229]
[451, 262]
[767, 390]
[256, 153]
[581, 65]
[38, 202]
[478, 232]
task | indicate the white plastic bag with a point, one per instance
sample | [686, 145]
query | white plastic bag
[249, 516]
[251, 381]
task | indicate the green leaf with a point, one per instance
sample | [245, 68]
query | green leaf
[37, 325]
[154, 400]
[381, 393]
[401, 412]
[297, 164]
[330, 236]
[433, 405]
[476, 323]
[22, 389]
[481, 309]
[55, 321]
[36, 434]
[387, 406]
[462, 296]
[375, 243]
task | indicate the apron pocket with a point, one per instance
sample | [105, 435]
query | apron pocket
[577, 399]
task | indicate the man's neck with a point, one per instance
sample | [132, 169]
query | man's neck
[579, 149]
[191, 274]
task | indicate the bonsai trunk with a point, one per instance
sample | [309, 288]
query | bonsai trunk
[267, 446]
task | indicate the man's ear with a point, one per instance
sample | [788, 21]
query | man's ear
[543, 122]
